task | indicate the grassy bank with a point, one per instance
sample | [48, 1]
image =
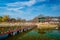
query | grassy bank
[47, 26]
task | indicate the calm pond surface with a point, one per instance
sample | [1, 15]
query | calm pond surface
[37, 35]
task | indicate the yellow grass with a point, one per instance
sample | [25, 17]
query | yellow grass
[46, 25]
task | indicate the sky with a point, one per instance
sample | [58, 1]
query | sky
[28, 9]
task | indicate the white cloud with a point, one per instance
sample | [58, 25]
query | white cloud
[20, 5]
[15, 9]
[28, 3]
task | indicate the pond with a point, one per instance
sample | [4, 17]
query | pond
[35, 34]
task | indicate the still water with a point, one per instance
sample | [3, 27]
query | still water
[37, 35]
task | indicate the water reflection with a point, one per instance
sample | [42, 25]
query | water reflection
[51, 34]
[42, 35]
[39, 35]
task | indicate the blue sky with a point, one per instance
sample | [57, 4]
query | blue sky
[28, 9]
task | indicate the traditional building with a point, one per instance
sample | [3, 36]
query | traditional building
[46, 19]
